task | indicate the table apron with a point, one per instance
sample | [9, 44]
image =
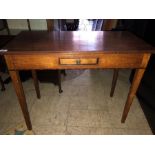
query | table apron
[75, 61]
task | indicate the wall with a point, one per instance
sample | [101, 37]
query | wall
[36, 24]
[17, 25]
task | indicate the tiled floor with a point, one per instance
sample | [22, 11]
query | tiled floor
[83, 108]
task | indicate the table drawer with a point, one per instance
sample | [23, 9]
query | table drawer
[78, 61]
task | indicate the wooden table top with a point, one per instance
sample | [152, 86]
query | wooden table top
[78, 41]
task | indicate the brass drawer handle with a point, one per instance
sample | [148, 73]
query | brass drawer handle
[78, 62]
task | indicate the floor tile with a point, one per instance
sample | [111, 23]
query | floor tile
[75, 130]
[79, 102]
[137, 132]
[78, 118]
[49, 130]
[96, 103]
[10, 113]
[101, 131]
[88, 118]
[60, 102]
[58, 118]
[41, 111]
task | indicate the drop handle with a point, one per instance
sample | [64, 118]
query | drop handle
[78, 62]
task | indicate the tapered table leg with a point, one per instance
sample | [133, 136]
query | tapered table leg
[114, 81]
[2, 84]
[133, 89]
[21, 96]
[59, 81]
[36, 83]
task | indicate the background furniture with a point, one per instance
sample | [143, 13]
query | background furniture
[3, 40]
[4, 25]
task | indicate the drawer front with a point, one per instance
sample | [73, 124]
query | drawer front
[78, 61]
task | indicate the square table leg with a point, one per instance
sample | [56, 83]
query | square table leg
[133, 89]
[21, 97]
